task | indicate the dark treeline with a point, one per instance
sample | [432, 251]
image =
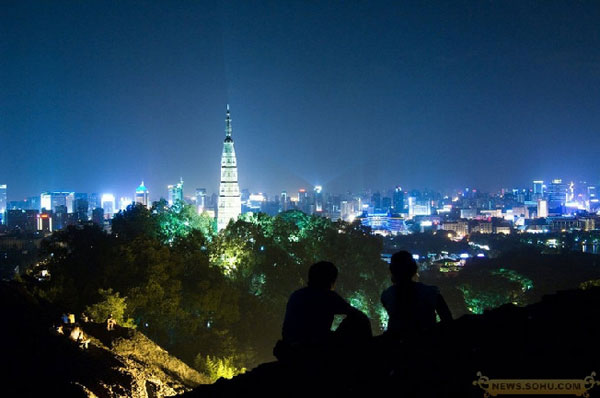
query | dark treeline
[217, 300]
[208, 297]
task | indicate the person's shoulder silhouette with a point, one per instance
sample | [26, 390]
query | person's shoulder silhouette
[411, 306]
[310, 310]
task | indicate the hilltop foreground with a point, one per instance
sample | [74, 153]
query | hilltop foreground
[556, 338]
[118, 363]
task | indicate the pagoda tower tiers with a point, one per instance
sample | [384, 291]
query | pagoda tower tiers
[230, 203]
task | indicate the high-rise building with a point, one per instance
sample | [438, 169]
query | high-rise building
[44, 221]
[94, 201]
[318, 198]
[50, 200]
[557, 196]
[398, 200]
[81, 207]
[108, 205]
[98, 216]
[201, 203]
[538, 189]
[376, 202]
[230, 203]
[542, 208]
[175, 192]
[283, 201]
[22, 220]
[418, 207]
[3, 204]
[124, 201]
[142, 195]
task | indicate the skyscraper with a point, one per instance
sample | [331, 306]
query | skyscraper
[142, 195]
[3, 203]
[108, 204]
[557, 196]
[398, 200]
[50, 200]
[230, 203]
[318, 192]
[175, 192]
[538, 189]
[201, 199]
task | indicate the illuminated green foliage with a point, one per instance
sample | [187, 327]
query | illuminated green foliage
[179, 220]
[526, 283]
[590, 284]
[215, 367]
[111, 304]
[485, 288]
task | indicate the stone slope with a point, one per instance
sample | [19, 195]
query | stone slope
[119, 363]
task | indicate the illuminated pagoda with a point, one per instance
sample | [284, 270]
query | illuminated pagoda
[230, 203]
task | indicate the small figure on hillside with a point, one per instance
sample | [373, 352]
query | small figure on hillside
[84, 318]
[310, 311]
[411, 305]
[110, 323]
[56, 329]
[71, 318]
[64, 318]
[75, 333]
[78, 337]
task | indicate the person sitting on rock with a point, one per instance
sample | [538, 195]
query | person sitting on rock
[310, 312]
[110, 323]
[411, 306]
[78, 337]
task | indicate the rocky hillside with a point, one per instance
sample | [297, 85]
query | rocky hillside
[37, 361]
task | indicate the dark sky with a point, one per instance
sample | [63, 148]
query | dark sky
[96, 95]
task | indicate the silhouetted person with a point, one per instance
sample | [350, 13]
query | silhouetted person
[411, 306]
[310, 311]
[110, 323]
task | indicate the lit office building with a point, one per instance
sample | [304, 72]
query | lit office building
[124, 202]
[142, 195]
[418, 207]
[3, 203]
[108, 205]
[51, 200]
[542, 208]
[175, 192]
[318, 192]
[201, 203]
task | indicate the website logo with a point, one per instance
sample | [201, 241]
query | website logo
[495, 387]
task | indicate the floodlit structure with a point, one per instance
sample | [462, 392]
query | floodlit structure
[142, 195]
[230, 202]
[175, 192]
[109, 205]
[3, 203]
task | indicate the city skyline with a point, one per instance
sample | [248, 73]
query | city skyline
[352, 96]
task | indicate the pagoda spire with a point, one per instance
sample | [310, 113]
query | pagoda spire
[228, 123]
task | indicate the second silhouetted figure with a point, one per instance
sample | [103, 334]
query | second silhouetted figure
[411, 306]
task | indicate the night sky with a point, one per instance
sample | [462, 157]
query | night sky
[98, 95]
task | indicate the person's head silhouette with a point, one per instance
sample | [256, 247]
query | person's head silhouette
[322, 275]
[403, 267]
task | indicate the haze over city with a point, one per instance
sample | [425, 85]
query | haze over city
[362, 95]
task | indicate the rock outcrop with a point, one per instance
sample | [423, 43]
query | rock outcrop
[118, 363]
